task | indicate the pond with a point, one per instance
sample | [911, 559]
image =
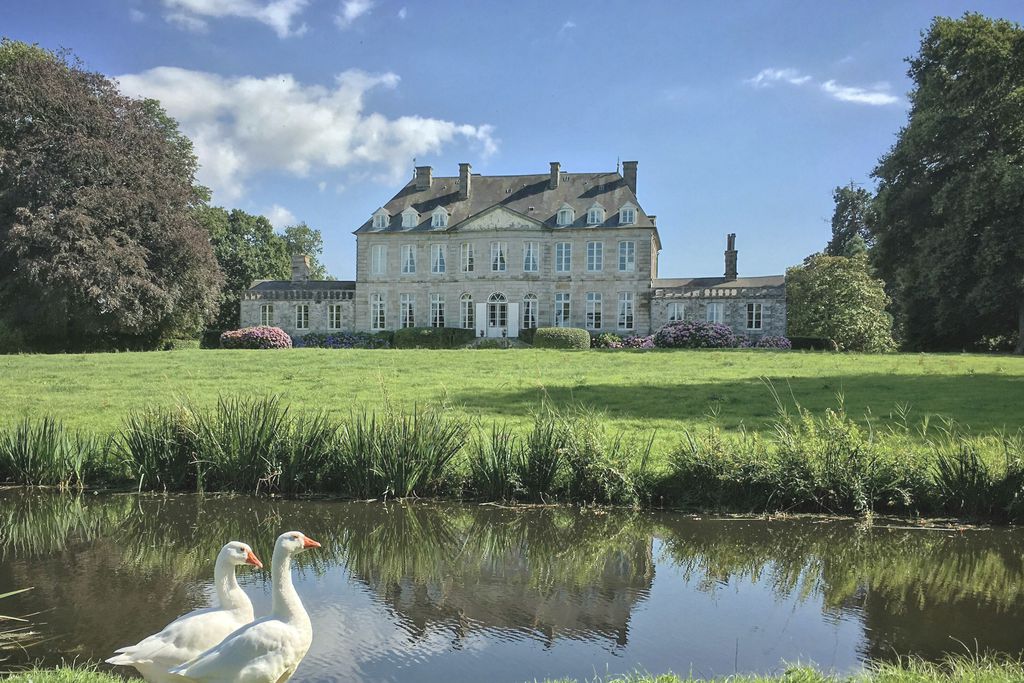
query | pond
[447, 592]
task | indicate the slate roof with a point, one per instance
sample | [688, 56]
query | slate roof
[525, 194]
[314, 285]
[718, 282]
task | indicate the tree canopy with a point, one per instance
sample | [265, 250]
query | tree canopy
[850, 232]
[949, 225]
[100, 245]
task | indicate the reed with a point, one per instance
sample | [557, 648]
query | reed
[43, 452]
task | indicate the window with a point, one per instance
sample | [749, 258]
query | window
[408, 259]
[466, 311]
[754, 312]
[381, 219]
[410, 219]
[437, 261]
[530, 261]
[563, 310]
[334, 317]
[563, 257]
[378, 259]
[497, 310]
[627, 257]
[498, 262]
[439, 219]
[594, 310]
[595, 214]
[530, 311]
[302, 317]
[566, 215]
[377, 316]
[467, 257]
[625, 310]
[595, 256]
[714, 313]
[627, 215]
[675, 312]
[267, 314]
[407, 310]
[436, 310]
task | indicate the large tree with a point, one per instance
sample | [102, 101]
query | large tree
[850, 232]
[949, 228]
[835, 297]
[302, 239]
[100, 245]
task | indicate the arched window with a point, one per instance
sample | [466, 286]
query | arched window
[627, 214]
[529, 311]
[497, 311]
[381, 218]
[466, 311]
[439, 219]
[410, 218]
[496, 298]
[595, 214]
[566, 215]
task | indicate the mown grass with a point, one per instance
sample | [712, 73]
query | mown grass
[664, 391]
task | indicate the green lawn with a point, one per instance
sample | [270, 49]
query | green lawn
[666, 390]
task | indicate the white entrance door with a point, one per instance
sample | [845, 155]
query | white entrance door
[497, 315]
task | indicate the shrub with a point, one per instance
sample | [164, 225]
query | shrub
[543, 454]
[813, 344]
[606, 340]
[561, 338]
[694, 334]
[432, 337]
[766, 342]
[638, 342]
[603, 467]
[341, 340]
[495, 464]
[256, 338]
[43, 452]
[180, 344]
[526, 335]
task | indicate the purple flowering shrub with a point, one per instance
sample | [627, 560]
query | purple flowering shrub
[694, 334]
[638, 342]
[770, 342]
[256, 338]
[341, 340]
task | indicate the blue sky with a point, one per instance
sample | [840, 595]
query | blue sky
[743, 115]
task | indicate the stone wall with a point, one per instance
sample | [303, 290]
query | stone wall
[734, 308]
[286, 302]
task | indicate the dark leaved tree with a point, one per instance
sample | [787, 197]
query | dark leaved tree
[850, 232]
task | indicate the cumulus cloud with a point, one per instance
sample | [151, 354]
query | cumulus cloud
[280, 217]
[877, 95]
[280, 15]
[769, 77]
[243, 126]
[351, 10]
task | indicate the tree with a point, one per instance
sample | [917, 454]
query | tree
[302, 239]
[850, 232]
[835, 297]
[949, 229]
[99, 242]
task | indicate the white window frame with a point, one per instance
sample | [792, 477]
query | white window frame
[378, 312]
[267, 315]
[438, 262]
[627, 311]
[437, 310]
[563, 257]
[595, 257]
[499, 257]
[563, 310]
[439, 219]
[627, 256]
[595, 309]
[334, 316]
[407, 310]
[755, 316]
[714, 312]
[566, 215]
[381, 219]
[467, 256]
[466, 312]
[595, 215]
[530, 311]
[531, 260]
[627, 215]
[410, 219]
[408, 259]
[302, 316]
[676, 311]
[379, 259]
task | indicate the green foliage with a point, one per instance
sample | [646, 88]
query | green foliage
[527, 334]
[431, 338]
[561, 338]
[850, 230]
[837, 298]
[302, 239]
[44, 452]
[948, 238]
[495, 464]
[181, 344]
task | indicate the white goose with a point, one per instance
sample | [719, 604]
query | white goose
[190, 635]
[269, 649]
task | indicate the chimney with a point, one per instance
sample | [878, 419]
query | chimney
[465, 177]
[300, 268]
[423, 177]
[629, 174]
[555, 175]
[730, 257]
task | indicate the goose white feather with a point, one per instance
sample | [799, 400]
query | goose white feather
[269, 649]
[190, 635]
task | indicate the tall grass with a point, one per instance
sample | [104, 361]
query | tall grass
[44, 453]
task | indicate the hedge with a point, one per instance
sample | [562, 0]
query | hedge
[813, 343]
[526, 335]
[561, 338]
[432, 338]
[180, 344]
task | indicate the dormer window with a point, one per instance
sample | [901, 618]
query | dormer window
[627, 215]
[381, 218]
[566, 215]
[595, 214]
[410, 218]
[439, 219]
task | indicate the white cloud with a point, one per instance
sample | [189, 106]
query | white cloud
[243, 126]
[768, 77]
[280, 217]
[403, 13]
[322, 185]
[566, 27]
[351, 10]
[136, 15]
[280, 15]
[878, 95]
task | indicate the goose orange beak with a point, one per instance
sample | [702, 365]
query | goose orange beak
[308, 542]
[250, 558]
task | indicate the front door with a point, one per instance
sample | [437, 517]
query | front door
[497, 319]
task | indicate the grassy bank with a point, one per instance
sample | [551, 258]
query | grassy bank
[664, 391]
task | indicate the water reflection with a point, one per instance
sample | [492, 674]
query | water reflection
[452, 592]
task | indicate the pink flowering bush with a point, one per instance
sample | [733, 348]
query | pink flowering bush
[256, 338]
[638, 342]
[694, 334]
